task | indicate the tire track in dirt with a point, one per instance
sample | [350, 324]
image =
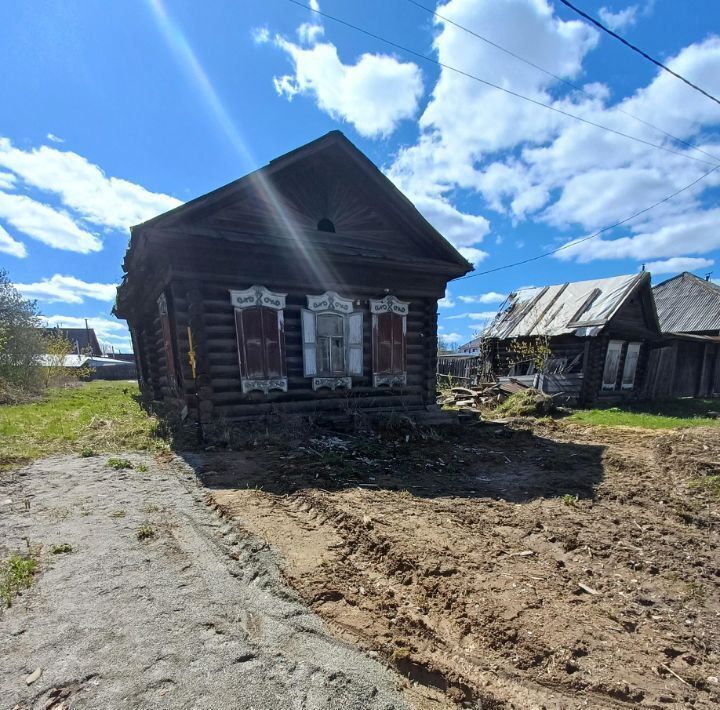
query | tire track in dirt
[479, 599]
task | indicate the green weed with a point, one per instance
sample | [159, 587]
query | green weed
[145, 532]
[61, 549]
[119, 464]
[16, 574]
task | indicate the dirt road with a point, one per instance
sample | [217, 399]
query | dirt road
[191, 617]
[564, 567]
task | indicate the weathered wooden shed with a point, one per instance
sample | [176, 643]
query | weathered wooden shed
[594, 337]
[309, 285]
[686, 363]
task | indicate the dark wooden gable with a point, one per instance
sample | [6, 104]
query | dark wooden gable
[637, 315]
[328, 179]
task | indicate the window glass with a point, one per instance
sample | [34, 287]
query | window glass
[329, 324]
[330, 344]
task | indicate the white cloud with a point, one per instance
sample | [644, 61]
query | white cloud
[310, 32]
[678, 264]
[483, 315]
[621, 19]
[677, 235]
[8, 245]
[83, 187]
[7, 181]
[374, 94]
[47, 225]
[489, 297]
[447, 301]
[66, 289]
[473, 254]
[260, 35]
[453, 338]
[529, 163]
[55, 139]
[108, 330]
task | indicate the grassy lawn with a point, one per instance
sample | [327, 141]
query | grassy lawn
[670, 414]
[91, 418]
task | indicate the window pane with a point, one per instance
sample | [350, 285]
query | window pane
[338, 355]
[323, 355]
[329, 324]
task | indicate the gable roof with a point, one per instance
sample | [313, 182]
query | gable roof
[687, 304]
[268, 195]
[581, 308]
[81, 338]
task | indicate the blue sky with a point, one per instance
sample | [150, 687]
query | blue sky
[111, 113]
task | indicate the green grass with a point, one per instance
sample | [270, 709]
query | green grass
[670, 414]
[145, 532]
[90, 418]
[16, 574]
[61, 549]
[119, 464]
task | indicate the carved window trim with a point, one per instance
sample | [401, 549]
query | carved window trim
[331, 302]
[382, 308]
[260, 298]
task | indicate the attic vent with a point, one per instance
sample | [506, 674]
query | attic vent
[325, 225]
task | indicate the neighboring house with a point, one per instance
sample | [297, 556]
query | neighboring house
[687, 362]
[594, 337]
[83, 340]
[99, 368]
[309, 285]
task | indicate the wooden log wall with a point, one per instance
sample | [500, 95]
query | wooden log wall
[206, 307]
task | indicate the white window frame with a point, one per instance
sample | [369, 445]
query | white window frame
[630, 362]
[613, 346]
[332, 303]
[262, 297]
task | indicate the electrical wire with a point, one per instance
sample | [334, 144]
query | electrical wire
[568, 245]
[539, 103]
[570, 84]
[437, 62]
[599, 24]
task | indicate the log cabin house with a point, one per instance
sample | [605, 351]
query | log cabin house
[310, 285]
[686, 363]
[594, 337]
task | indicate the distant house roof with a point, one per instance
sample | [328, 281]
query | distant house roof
[687, 304]
[83, 338]
[581, 308]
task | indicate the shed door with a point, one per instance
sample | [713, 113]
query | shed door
[389, 344]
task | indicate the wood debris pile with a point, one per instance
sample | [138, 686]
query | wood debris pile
[490, 393]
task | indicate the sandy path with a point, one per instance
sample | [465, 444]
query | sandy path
[195, 617]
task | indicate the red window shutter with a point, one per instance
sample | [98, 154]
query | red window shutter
[398, 344]
[250, 342]
[383, 343]
[272, 322]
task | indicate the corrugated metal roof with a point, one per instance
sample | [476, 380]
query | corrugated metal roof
[582, 308]
[687, 304]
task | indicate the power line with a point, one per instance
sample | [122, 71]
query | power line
[599, 24]
[591, 236]
[474, 77]
[573, 86]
